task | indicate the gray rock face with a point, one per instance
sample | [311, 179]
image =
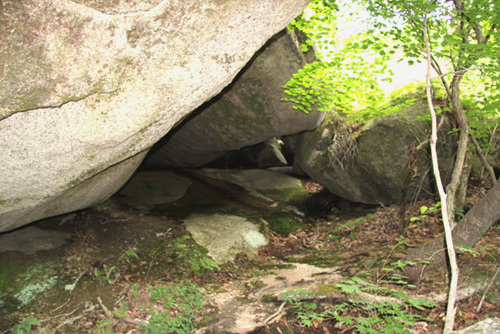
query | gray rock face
[273, 185]
[32, 239]
[145, 190]
[247, 112]
[372, 168]
[89, 86]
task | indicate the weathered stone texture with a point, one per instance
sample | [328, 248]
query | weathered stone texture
[247, 112]
[372, 167]
[89, 86]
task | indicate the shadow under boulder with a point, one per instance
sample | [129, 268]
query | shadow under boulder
[247, 112]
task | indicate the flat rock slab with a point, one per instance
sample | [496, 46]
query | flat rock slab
[275, 185]
[225, 236]
[243, 312]
[32, 239]
[145, 190]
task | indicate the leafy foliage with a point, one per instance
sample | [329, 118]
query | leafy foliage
[26, 325]
[345, 83]
[181, 305]
[105, 326]
[424, 211]
[318, 22]
[463, 37]
[344, 78]
[464, 41]
[192, 256]
[385, 316]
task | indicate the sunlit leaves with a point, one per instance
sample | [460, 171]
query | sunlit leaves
[458, 30]
[318, 22]
[464, 40]
[344, 80]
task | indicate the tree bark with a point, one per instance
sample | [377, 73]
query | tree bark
[462, 188]
[463, 140]
[465, 234]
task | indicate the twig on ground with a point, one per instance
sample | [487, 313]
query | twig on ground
[71, 287]
[109, 220]
[104, 308]
[61, 315]
[66, 322]
[88, 308]
[61, 306]
[274, 315]
[126, 319]
[487, 289]
[149, 268]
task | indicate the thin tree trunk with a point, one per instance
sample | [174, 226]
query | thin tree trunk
[452, 294]
[460, 118]
[462, 188]
[463, 139]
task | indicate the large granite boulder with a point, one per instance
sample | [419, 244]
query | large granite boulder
[247, 112]
[89, 86]
[372, 167]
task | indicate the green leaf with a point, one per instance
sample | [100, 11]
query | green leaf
[121, 313]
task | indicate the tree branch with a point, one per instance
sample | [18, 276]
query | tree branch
[485, 162]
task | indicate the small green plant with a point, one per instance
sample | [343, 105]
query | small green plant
[105, 326]
[425, 211]
[135, 290]
[347, 227]
[106, 273]
[179, 307]
[391, 274]
[306, 311]
[469, 250]
[256, 283]
[389, 315]
[130, 258]
[122, 312]
[193, 257]
[25, 326]
[385, 316]
[489, 250]
[106, 330]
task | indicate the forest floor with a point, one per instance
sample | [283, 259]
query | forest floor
[126, 271]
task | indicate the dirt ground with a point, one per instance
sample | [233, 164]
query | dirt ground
[127, 271]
